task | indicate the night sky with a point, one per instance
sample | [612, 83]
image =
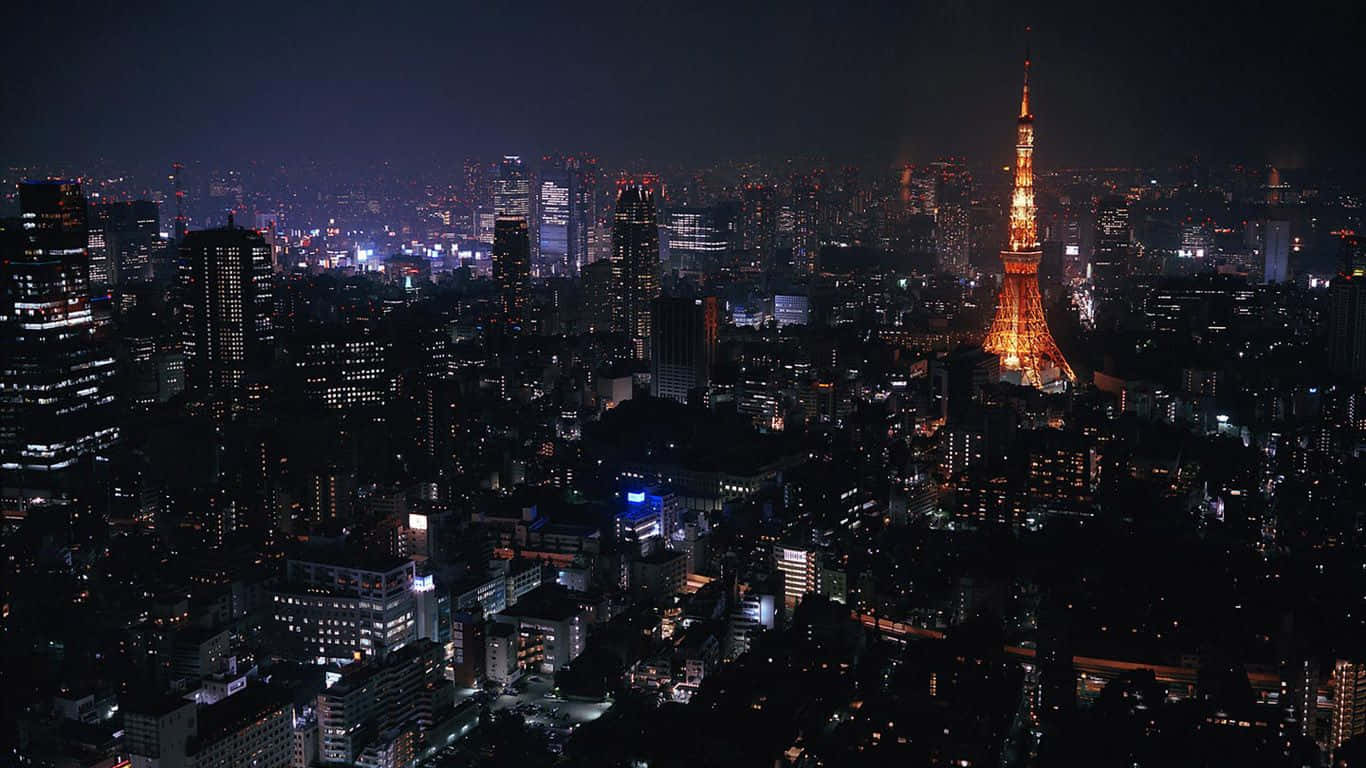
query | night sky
[1117, 83]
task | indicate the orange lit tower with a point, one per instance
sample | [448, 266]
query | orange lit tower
[1019, 334]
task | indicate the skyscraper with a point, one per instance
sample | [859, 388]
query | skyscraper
[1019, 334]
[512, 189]
[1347, 312]
[1349, 703]
[562, 232]
[1110, 262]
[683, 345]
[696, 241]
[226, 326]
[758, 226]
[952, 199]
[124, 239]
[56, 395]
[1276, 250]
[511, 270]
[635, 265]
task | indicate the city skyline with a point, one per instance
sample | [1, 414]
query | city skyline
[613, 386]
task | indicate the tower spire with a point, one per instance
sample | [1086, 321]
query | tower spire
[1019, 335]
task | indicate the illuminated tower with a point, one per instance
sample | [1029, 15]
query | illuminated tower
[1019, 335]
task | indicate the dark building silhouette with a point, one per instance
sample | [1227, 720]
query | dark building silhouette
[1347, 313]
[227, 329]
[511, 270]
[683, 346]
[56, 395]
[635, 265]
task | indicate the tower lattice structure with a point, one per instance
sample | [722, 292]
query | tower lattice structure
[1019, 335]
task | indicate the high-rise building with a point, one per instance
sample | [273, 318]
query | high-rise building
[56, 389]
[347, 372]
[226, 326]
[1276, 251]
[339, 609]
[1347, 312]
[563, 227]
[511, 270]
[549, 629]
[799, 566]
[696, 240]
[1019, 334]
[1197, 241]
[635, 266]
[406, 690]
[1063, 471]
[251, 727]
[124, 240]
[512, 189]
[1110, 260]
[1349, 702]
[683, 346]
[951, 203]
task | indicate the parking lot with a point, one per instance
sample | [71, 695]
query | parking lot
[532, 703]
[554, 716]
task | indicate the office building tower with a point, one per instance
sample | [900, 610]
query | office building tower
[753, 614]
[1197, 241]
[791, 309]
[548, 630]
[683, 346]
[56, 375]
[253, 726]
[758, 226]
[1276, 251]
[512, 189]
[696, 241]
[640, 524]
[1019, 334]
[649, 512]
[476, 192]
[124, 240]
[157, 367]
[1347, 313]
[799, 567]
[963, 447]
[405, 691]
[1110, 259]
[635, 266]
[1063, 471]
[512, 270]
[227, 330]
[563, 227]
[345, 608]
[951, 201]
[343, 371]
[1349, 703]
[956, 380]
[583, 209]
[158, 731]
[599, 290]
[806, 226]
